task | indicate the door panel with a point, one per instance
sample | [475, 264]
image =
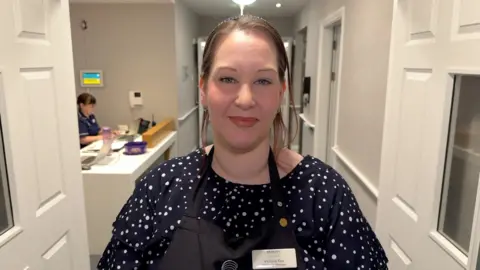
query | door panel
[40, 133]
[430, 44]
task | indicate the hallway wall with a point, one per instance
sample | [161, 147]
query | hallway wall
[363, 87]
[186, 30]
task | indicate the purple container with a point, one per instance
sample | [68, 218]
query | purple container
[135, 148]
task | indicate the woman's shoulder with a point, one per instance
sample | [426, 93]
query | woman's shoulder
[291, 161]
[181, 167]
[177, 166]
[311, 172]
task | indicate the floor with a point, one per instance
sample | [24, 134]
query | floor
[93, 261]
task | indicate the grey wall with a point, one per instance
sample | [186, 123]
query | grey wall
[134, 45]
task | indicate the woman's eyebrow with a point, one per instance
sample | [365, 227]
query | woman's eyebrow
[259, 70]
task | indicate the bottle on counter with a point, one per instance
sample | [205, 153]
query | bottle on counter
[107, 134]
[108, 137]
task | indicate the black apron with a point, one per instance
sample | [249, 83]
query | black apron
[199, 244]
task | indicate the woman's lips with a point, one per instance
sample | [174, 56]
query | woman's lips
[243, 121]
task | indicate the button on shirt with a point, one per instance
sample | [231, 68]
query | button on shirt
[87, 126]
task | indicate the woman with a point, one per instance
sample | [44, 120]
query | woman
[245, 202]
[88, 126]
[87, 123]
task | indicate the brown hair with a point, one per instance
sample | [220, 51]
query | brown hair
[86, 99]
[249, 23]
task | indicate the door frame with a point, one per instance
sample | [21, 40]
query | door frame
[324, 63]
[298, 68]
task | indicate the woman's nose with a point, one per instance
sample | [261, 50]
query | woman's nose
[245, 97]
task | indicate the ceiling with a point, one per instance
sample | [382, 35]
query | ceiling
[121, 1]
[224, 8]
[262, 8]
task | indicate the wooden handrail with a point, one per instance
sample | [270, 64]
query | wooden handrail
[156, 134]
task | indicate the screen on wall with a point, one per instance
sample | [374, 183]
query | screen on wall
[91, 78]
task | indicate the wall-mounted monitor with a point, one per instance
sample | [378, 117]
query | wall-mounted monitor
[91, 78]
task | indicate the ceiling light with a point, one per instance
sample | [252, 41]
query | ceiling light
[244, 2]
[278, 5]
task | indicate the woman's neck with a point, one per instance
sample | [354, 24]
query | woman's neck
[83, 113]
[250, 168]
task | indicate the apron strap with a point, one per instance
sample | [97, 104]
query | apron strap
[278, 198]
[195, 197]
[194, 202]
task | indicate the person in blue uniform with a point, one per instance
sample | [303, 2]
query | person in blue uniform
[245, 202]
[88, 126]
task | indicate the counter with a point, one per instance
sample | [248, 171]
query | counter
[108, 186]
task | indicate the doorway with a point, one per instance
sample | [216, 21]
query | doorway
[208, 133]
[333, 94]
[298, 75]
[329, 78]
[286, 107]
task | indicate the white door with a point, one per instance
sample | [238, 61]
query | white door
[40, 137]
[432, 41]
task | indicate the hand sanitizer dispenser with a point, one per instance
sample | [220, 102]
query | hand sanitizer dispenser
[135, 98]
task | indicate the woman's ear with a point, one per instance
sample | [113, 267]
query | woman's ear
[203, 92]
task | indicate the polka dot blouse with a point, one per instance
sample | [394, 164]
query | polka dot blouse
[329, 226]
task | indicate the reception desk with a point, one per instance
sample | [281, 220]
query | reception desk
[108, 186]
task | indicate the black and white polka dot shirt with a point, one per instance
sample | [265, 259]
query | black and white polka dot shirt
[329, 225]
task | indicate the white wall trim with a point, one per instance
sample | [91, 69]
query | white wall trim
[122, 1]
[363, 179]
[187, 114]
[307, 122]
[320, 139]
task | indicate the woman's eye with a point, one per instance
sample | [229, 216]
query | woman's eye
[263, 82]
[227, 80]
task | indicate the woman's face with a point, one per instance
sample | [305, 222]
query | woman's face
[87, 110]
[244, 91]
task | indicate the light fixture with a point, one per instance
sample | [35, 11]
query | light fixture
[243, 3]
[278, 5]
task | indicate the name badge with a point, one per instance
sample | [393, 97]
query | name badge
[274, 258]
